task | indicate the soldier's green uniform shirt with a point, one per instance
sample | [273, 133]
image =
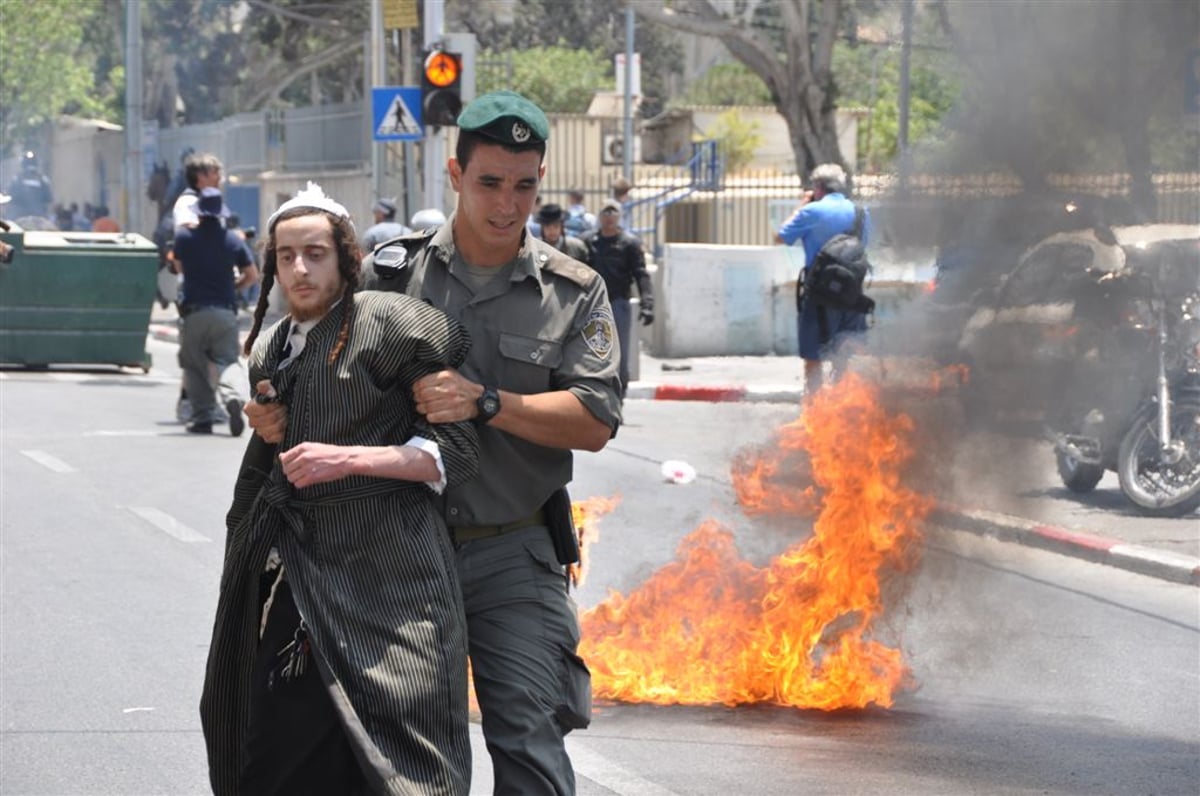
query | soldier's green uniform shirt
[548, 326]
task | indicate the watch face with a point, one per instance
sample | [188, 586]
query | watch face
[491, 406]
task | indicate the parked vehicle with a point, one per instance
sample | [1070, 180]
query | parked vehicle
[1134, 403]
[1029, 342]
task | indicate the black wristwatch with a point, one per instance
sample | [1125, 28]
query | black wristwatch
[488, 405]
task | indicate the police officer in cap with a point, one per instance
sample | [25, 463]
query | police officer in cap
[540, 380]
[30, 190]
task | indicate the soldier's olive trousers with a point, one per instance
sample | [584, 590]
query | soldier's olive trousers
[522, 632]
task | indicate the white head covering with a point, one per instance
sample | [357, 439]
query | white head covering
[309, 196]
[429, 217]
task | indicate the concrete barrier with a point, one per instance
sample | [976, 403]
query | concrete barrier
[713, 300]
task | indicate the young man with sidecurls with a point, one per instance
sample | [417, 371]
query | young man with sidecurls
[338, 658]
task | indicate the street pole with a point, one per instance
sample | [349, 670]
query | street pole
[408, 78]
[433, 156]
[133, 117]
[905, 53]
[627, 150]
[376, 63]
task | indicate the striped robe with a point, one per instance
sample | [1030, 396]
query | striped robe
[368, 560]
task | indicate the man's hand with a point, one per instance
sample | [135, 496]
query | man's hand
[646, 314]
[447, 397]
[269, 420]
[312, 463]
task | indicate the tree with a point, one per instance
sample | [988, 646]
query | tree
[220, 57]
[737, 137]
[728, 84]
[45, 67]
[868, 76]
[1071, 86]
[789, 44]
[593, 26]
[558, 79]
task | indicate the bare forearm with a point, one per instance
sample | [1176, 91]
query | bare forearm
[401, 462]
[552, 419]
[316, 463]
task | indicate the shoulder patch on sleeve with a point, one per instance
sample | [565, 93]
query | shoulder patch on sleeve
[600, 332]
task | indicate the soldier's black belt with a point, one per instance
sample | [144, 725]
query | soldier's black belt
[470, 533]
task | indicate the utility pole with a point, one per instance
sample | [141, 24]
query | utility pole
[408, 78]
[905, 56]
[375, 68]
[433, 154]
[132, 198]
[627, 150]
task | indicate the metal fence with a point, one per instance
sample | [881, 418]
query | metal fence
[673, 202]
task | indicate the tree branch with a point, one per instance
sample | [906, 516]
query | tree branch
[307, 66]
[753, 50]
[308, 19]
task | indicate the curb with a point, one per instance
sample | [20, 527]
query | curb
[637, 390]
[1161, 564]
[163, 331]
[714, 393]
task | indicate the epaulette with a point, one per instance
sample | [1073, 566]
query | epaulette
[570, 268]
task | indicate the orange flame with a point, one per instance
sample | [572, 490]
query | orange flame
[713, 628]
[586, 514]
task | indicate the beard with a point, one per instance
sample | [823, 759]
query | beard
[313, 304]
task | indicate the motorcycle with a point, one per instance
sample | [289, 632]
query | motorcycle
[1143, 421]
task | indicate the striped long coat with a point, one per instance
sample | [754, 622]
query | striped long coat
[368, 560]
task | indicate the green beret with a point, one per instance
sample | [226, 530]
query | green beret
[507, 117]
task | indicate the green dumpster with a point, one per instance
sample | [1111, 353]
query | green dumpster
[76, 297]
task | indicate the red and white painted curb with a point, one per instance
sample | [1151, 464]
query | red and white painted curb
[165, 331]
[712, 393]
[1162, 564]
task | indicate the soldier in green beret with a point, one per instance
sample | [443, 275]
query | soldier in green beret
[541, 379]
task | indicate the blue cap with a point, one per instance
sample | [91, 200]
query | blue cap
[210, 203]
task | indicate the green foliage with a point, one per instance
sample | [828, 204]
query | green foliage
[728, 84]
[737, 138]
[44, 67]
[591, 26]
[559, 79]
[1051, 88]
[869, 77]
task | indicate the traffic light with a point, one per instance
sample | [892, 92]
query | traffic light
[441, 88]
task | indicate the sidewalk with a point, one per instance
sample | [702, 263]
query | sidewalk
[1165, 549]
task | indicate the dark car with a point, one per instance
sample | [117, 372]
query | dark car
[1033, 340]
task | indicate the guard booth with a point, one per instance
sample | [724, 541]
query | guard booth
[77, 298]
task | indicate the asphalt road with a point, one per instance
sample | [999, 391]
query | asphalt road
[1035, 673]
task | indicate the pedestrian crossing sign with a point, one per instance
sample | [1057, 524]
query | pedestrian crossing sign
[396, 111]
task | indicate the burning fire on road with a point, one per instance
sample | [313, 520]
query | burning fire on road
[713, 628]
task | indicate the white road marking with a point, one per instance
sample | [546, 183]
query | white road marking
[49, 462]
[608, 774]
[168, 524]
